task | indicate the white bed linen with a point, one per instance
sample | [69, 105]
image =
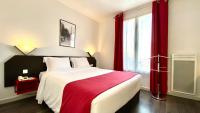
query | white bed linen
[52, 84]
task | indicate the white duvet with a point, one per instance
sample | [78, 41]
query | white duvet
[52, 84]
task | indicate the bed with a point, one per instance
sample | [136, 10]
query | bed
[52, 84]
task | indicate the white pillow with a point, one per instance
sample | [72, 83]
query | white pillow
[80, 62]
[57, 64]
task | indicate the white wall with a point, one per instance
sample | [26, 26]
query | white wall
[105, 42]
[184, 32]
[38, 21]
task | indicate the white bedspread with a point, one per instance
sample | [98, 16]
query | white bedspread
[52, 84]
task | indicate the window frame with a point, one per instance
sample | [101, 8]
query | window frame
[137, 40]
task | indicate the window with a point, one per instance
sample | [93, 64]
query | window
[137, 44]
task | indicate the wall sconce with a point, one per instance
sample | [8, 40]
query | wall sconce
[90, 51]
[25, 47]
[24, 51]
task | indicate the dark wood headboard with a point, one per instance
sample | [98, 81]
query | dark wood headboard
[14, 67]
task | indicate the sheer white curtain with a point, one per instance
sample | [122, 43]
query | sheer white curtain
[144, 43]
[129, 45]
[137, 44]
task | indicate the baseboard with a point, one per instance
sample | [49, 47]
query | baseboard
[193, 97]
[187, 96]
[15, 98]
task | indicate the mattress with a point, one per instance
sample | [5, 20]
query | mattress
[52, 85]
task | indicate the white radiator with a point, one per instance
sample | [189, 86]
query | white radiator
[184, 74]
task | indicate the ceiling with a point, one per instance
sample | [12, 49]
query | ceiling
[98, 9]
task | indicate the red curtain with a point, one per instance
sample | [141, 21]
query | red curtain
[118, 54]
[154, 49]
[159, 46]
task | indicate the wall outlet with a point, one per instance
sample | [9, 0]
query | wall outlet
[25, 71]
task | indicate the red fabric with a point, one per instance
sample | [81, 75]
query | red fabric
[163, 44]
[78, 95]
[159, 46]
[26, 86]
[154, 49]
[118, 54]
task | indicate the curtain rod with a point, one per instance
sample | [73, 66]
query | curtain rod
[118, 14]
[160, 0]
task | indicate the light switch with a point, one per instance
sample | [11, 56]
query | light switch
[25, 71]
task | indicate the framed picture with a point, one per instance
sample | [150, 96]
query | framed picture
[67, 34]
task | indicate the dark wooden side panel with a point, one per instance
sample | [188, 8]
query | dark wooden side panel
[14, 67]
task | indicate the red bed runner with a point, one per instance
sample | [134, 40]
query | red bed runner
[78, 95]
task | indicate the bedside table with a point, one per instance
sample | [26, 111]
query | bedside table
[25, 86]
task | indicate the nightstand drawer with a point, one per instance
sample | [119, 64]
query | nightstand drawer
[26, 86]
